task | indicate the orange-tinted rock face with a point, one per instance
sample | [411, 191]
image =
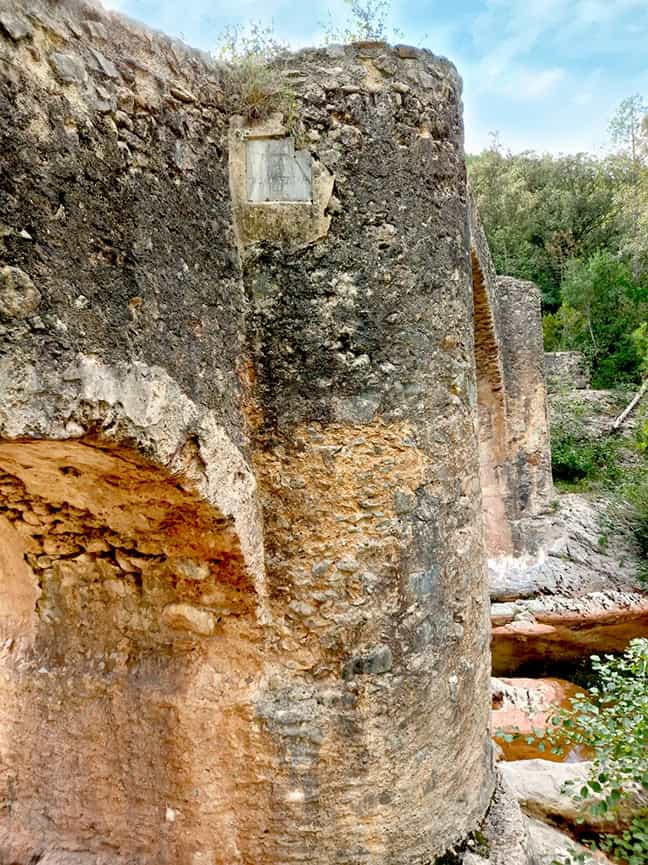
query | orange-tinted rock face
[592, 625]
[524, 707]
[163, 713]
[515, 460]
[113, 575]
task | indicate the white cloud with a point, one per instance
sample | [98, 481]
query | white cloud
[516, 27]
[538, 85]
[513, 79]
[548, 73]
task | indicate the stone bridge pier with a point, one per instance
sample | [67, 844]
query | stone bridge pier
[255, 397]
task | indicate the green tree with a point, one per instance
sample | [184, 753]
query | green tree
[539, 212]
[602, 306]
[629, 133]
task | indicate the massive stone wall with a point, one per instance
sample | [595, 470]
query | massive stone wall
[367, 456]
[244, 610]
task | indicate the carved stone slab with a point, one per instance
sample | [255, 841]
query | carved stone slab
[276, 172]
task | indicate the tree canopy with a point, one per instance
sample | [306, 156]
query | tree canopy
[577, 225]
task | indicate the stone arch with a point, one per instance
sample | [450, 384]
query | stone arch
[143, 407]
[491, 403]
[130, 622]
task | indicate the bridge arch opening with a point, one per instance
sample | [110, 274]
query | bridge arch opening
[492, 420]
[129, 644]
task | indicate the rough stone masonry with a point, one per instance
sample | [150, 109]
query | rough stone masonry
[255, 394]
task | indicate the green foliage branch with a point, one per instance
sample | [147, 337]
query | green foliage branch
[611, 720]
[367, 22]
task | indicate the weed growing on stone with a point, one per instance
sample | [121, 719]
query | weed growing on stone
[255, 83]
[254, 79]
[367, 22]
[476, 842]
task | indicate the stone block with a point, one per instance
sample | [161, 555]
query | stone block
[276, 171]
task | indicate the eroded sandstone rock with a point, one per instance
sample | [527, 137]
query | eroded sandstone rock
[578, 555]
[68, 68]
[563, 628]
[189, 618]
[473, 859]
[505, 827]
[548, 845]
[15, 26]
[538, 786]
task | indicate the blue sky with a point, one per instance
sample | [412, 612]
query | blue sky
[545, 74]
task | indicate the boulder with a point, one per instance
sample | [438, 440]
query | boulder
[574, 558]
[68, 69]
[19, 297]
[538, 787]
[547, 844]
[15, 26]
[185, 617]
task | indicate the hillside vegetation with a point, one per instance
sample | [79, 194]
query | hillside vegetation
[577, 225]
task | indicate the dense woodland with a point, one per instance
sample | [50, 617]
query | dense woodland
[577, 225]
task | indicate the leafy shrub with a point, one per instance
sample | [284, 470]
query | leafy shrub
[611, 719]
[632, 845]
[574, 460]
[575, 456]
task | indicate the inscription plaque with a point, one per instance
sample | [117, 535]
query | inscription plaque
[276, 172]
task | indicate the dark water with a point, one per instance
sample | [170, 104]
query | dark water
[578, 671]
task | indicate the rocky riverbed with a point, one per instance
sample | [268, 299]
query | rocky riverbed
[584, 594]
